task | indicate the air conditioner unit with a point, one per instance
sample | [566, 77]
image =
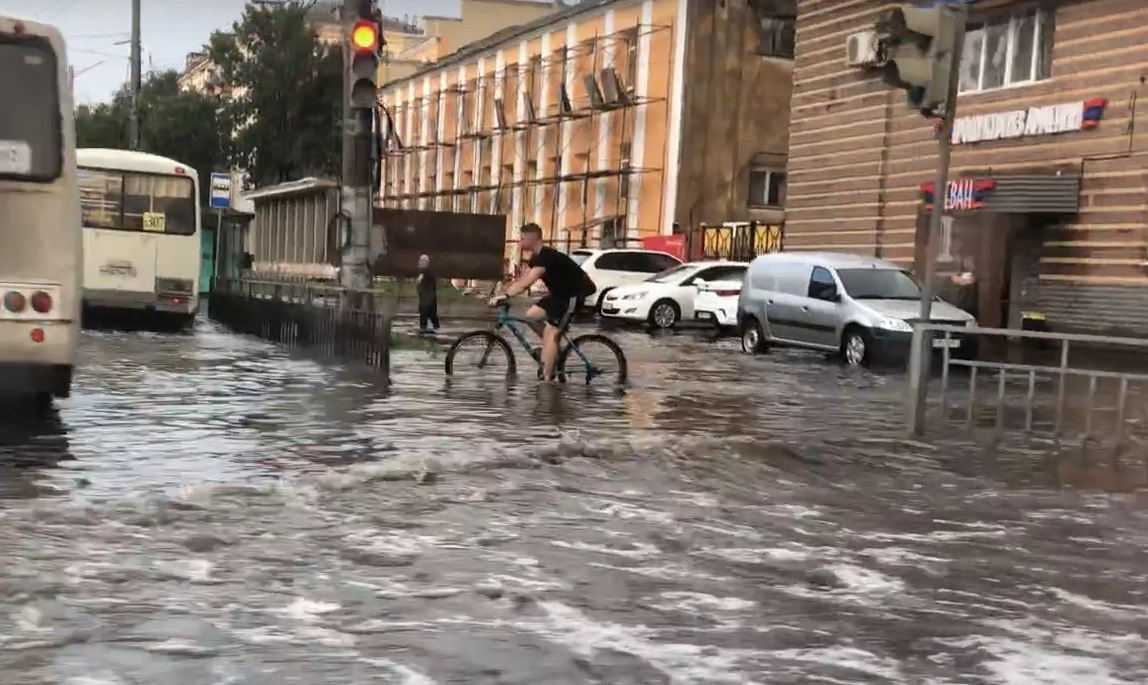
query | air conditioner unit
[861, 50]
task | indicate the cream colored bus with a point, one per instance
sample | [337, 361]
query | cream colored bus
[141, 218]
[41, 259]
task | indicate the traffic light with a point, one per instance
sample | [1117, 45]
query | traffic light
[365, 47]
[920, 53]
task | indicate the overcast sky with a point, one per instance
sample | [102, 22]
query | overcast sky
[169, 28]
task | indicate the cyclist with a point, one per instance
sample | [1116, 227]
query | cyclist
[567, 287]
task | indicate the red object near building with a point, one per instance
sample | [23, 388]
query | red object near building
[672, 244]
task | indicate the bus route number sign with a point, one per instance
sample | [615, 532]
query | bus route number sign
[154, 222]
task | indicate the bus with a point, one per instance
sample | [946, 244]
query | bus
[41, 258]
[141, 219]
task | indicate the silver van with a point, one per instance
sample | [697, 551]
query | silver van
[860, 307]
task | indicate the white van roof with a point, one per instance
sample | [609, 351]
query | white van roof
[832, 260]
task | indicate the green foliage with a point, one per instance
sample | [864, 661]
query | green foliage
[182, 125]
[284, 93]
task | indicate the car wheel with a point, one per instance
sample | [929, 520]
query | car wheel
[752, 337]
[856, 346]
[664, 314]
[601, 301]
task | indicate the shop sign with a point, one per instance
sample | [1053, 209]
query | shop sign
[1034, 121]
[961, 194]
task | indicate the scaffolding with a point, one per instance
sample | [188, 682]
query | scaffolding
[526, 135]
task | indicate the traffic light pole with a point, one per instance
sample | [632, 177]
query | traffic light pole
[356, 193]
[922, 349]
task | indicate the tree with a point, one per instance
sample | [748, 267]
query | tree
[183, 125]
[284, 90]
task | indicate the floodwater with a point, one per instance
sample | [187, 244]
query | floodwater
[208, 511]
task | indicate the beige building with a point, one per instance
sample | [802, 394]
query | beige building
[606, 123]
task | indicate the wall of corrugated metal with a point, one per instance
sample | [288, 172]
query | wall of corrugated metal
[1103, 310]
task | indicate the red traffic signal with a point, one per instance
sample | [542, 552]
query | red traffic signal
[365, 36]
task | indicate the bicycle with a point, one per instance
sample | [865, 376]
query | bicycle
[572, 361]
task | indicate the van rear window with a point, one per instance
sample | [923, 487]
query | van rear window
[31, 139]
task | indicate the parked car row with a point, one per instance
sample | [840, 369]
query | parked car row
[858, 307]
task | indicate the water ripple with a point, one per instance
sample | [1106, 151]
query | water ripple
[209, 510]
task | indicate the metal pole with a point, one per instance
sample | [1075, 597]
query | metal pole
[356, 195]
[921, 354]
[134, 112]
[347, 16]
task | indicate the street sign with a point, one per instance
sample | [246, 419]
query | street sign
[220, 190]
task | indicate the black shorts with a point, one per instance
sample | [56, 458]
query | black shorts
[561, 310]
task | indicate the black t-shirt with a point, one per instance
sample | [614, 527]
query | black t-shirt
[563, 277]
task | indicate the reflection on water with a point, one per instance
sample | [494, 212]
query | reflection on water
[234, 515]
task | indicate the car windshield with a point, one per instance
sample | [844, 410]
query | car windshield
[580, 257]
[879, 284]
[676, 273]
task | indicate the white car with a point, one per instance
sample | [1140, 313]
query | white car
[716, 303]
[610, 269]
[668, 297]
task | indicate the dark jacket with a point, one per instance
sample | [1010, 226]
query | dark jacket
[428, 289]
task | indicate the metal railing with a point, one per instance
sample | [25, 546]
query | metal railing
[286, 314]
[1037, 391]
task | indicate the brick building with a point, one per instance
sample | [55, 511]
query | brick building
[1048, 198]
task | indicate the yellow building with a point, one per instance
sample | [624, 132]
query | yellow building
[583, 121]
[549, 122]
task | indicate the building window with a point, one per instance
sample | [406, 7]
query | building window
[776, 36]
[766, 188]
[1010, 51]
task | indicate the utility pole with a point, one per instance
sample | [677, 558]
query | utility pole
[134, 113]
[364, 45]
[921, 49]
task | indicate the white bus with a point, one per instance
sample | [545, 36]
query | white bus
[41, 260]
[141, 219]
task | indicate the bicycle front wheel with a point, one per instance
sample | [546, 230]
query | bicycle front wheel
[593, 357]
[480, 351]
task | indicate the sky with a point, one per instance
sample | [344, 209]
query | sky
[169, 30]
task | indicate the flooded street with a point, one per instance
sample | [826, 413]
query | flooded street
[209, 511]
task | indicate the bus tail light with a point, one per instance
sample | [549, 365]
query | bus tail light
[37, 335]
[41, 302]
[15, 302]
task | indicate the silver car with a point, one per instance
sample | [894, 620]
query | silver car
[860, 307]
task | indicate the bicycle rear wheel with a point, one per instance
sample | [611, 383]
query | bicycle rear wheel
[481, 351]
[593, 357]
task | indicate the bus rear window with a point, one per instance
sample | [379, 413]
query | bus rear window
[30, 137]
[137, 202]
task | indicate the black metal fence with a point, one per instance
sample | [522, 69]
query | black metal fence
[349, 326]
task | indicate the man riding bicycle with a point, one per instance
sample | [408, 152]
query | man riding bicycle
[567, 287]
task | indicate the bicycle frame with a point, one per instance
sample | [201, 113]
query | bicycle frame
[510, 322]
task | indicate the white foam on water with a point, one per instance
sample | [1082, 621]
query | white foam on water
[845, 657]
[746, 555]
[1125, 611]
[407, 675]
[866, 581]
[180, 648]
[641, 550]
[187, 569]
[668, 571]
[308, 610]
[683, 664]
[1025, 663]
[692, 601]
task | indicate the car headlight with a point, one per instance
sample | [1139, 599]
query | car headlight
[971, 323]
[634, 296]
[891, 324]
